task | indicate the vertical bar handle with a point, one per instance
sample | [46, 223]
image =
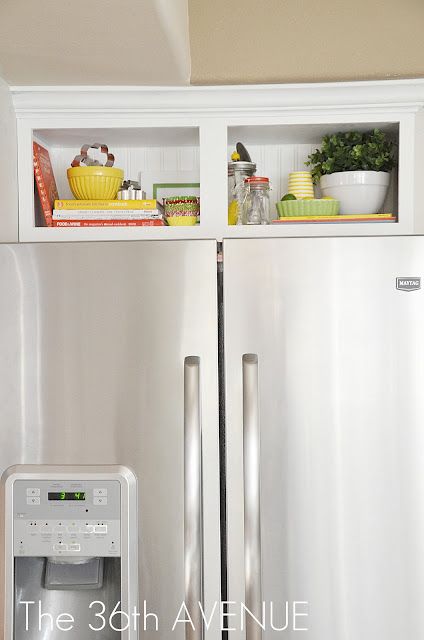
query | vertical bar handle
[252, 506]
[193, 529]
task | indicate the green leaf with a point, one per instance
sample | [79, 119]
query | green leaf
[352, 151]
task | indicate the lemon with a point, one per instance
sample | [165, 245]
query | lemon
[288, 196]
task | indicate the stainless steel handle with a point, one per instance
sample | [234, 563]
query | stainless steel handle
[193, 529]
[252, 503]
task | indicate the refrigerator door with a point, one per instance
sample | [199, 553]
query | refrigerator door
[93, 344]
[325, 438]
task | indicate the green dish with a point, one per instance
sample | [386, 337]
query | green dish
[299, 208]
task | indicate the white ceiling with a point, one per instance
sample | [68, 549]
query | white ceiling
[94, 42]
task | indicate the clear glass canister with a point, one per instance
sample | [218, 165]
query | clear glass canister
[237, 172]
[256, 208]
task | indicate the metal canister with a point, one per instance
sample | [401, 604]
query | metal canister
[130, 190]
[237, 172]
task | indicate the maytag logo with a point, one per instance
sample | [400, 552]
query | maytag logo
[408, 284]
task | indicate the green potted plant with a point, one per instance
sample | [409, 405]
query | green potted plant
[354, 168]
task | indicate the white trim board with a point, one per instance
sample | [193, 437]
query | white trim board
[384, 94]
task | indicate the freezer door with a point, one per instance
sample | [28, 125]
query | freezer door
[93, 346]
[324, 435]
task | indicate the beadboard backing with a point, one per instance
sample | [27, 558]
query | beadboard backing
[148, 165]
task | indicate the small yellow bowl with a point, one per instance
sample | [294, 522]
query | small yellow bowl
[181, 221]
[95, 183]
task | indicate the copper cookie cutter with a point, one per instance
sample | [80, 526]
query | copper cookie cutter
[84, 158]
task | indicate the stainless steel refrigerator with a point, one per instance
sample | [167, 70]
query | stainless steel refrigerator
[306, 357]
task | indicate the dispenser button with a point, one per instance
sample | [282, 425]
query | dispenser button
[74, 547]
[33, 500]
[100, 529]
[87, 529]
[99, 492]
[33, 492]
[60, 547]
[99, 500]
[46, 530]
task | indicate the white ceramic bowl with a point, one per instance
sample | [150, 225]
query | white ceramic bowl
[357, 191]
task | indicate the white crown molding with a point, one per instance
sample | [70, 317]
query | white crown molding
[396, 95]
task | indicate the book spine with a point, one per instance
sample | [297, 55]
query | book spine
[41, 187]
[105, 205]
[82, 214]
[108, 223]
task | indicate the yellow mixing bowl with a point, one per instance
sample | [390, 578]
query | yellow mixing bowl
[180, 221]
[95, 183]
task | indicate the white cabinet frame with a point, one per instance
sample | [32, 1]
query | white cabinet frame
[214, 111]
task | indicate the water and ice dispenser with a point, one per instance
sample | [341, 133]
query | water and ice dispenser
[70, 540]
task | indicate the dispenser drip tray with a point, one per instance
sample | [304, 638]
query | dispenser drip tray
[73, 573]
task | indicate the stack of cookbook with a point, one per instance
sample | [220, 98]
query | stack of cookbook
[108, 213]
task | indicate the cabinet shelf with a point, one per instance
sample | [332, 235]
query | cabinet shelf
[99, 234]
[150, 154]
[314, 230]
[282, 148]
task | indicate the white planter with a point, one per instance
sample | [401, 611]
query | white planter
[357, 191]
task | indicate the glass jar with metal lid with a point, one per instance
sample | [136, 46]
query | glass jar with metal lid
[237, 172]
[256, 209]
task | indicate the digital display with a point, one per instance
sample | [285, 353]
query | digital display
[66, 495]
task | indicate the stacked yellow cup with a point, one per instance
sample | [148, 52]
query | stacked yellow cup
[300, 184]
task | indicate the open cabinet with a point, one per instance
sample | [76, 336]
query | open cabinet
[186, 135]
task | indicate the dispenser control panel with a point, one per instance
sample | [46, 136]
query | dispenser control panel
[67, 518]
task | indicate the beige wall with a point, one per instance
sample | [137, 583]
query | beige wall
[249, 41]
[94, 42]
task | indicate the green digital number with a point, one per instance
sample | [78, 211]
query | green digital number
[62, 495]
